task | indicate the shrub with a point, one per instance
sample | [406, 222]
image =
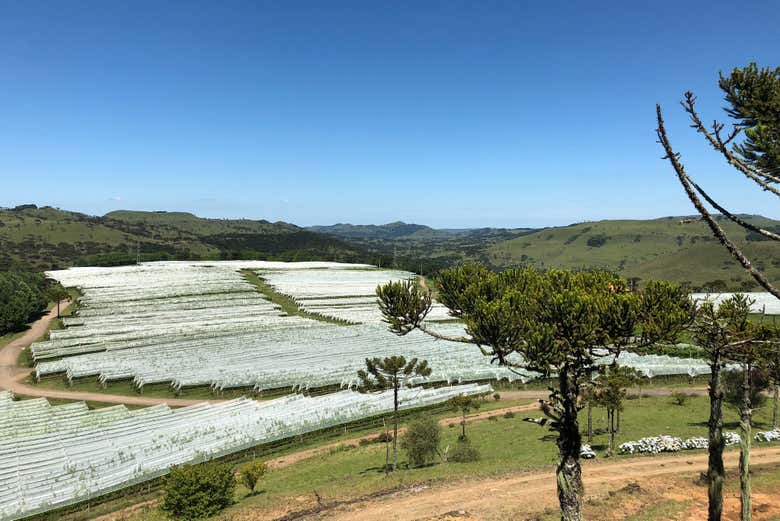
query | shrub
[198, 491]
[679, 398]
[251, 474]
[509, 414]
[421, 441]
[496, 396]
[463, 452]
[597, 241]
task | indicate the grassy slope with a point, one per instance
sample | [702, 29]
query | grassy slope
[660, 248]
[506, 445]
[48, 237]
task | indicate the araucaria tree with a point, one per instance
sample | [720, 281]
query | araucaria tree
[463, 404]
[719, 331]
[393, 372]
[609, 390]
[556, 323]
[751, 147]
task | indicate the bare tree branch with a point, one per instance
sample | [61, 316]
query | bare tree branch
[439, 336]
[674, 159]
[734, 218]
[761, 178]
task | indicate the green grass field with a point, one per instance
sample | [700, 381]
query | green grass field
[648, 249]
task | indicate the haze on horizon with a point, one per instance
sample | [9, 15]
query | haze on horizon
[452, 115]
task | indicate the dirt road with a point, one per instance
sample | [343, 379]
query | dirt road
[11, 375]
[495, 498]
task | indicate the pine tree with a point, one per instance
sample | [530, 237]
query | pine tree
[393, 372]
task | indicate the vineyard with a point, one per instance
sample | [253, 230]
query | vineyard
[203, 324]
[53, 456]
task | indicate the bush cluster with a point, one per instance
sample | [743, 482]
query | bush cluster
[463, 452]
[421, 441]
[251, 474]
[198, 491]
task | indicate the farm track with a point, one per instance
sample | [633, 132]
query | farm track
[495, 498]
[11, 374]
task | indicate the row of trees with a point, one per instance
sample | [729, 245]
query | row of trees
[23, 296]
[752, 148]
[558, 323]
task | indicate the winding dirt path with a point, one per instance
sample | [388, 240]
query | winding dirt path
[499, 498]
[11, 374]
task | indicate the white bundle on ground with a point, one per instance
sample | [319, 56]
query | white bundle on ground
[696, 443]
[51, 456]
[586, 452]
[664, 443]
[767, 436]
[652, 445]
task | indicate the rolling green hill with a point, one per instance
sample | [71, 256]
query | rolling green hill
[670, 248]
[420, 247]
[45, 238]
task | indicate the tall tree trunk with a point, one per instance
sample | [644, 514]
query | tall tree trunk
[611, 427]
[618, 421]
[776, 400]
[387, 445]
[395, 426]
[744, 445]
[715, 471]
[569, 472]
[590, 422]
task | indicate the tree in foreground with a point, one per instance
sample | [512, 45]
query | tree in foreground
[751, 147]
[556, 323]
[198, 491]
[719, 331]
[393, 372]
[251, 474]
[752, 355]
[463, 404]
[421, 441]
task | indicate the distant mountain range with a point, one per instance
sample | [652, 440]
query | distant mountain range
[673, 248]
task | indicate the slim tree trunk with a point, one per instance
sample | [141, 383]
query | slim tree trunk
[744, 445]
[611, 427]
[715, 471]
[569, 471]
[387, 445]
[590, 422]
[463, 425]
[776, 400]
[395, 426]
[618, 421]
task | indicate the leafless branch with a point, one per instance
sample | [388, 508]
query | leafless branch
[674, 159]
[761, 178]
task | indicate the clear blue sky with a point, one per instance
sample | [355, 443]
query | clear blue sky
[449, 113]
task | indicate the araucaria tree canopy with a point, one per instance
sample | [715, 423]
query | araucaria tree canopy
[557, 323]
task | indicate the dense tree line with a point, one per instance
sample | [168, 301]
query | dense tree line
[23, 296]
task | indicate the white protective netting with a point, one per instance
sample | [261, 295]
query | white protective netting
[51, 456]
